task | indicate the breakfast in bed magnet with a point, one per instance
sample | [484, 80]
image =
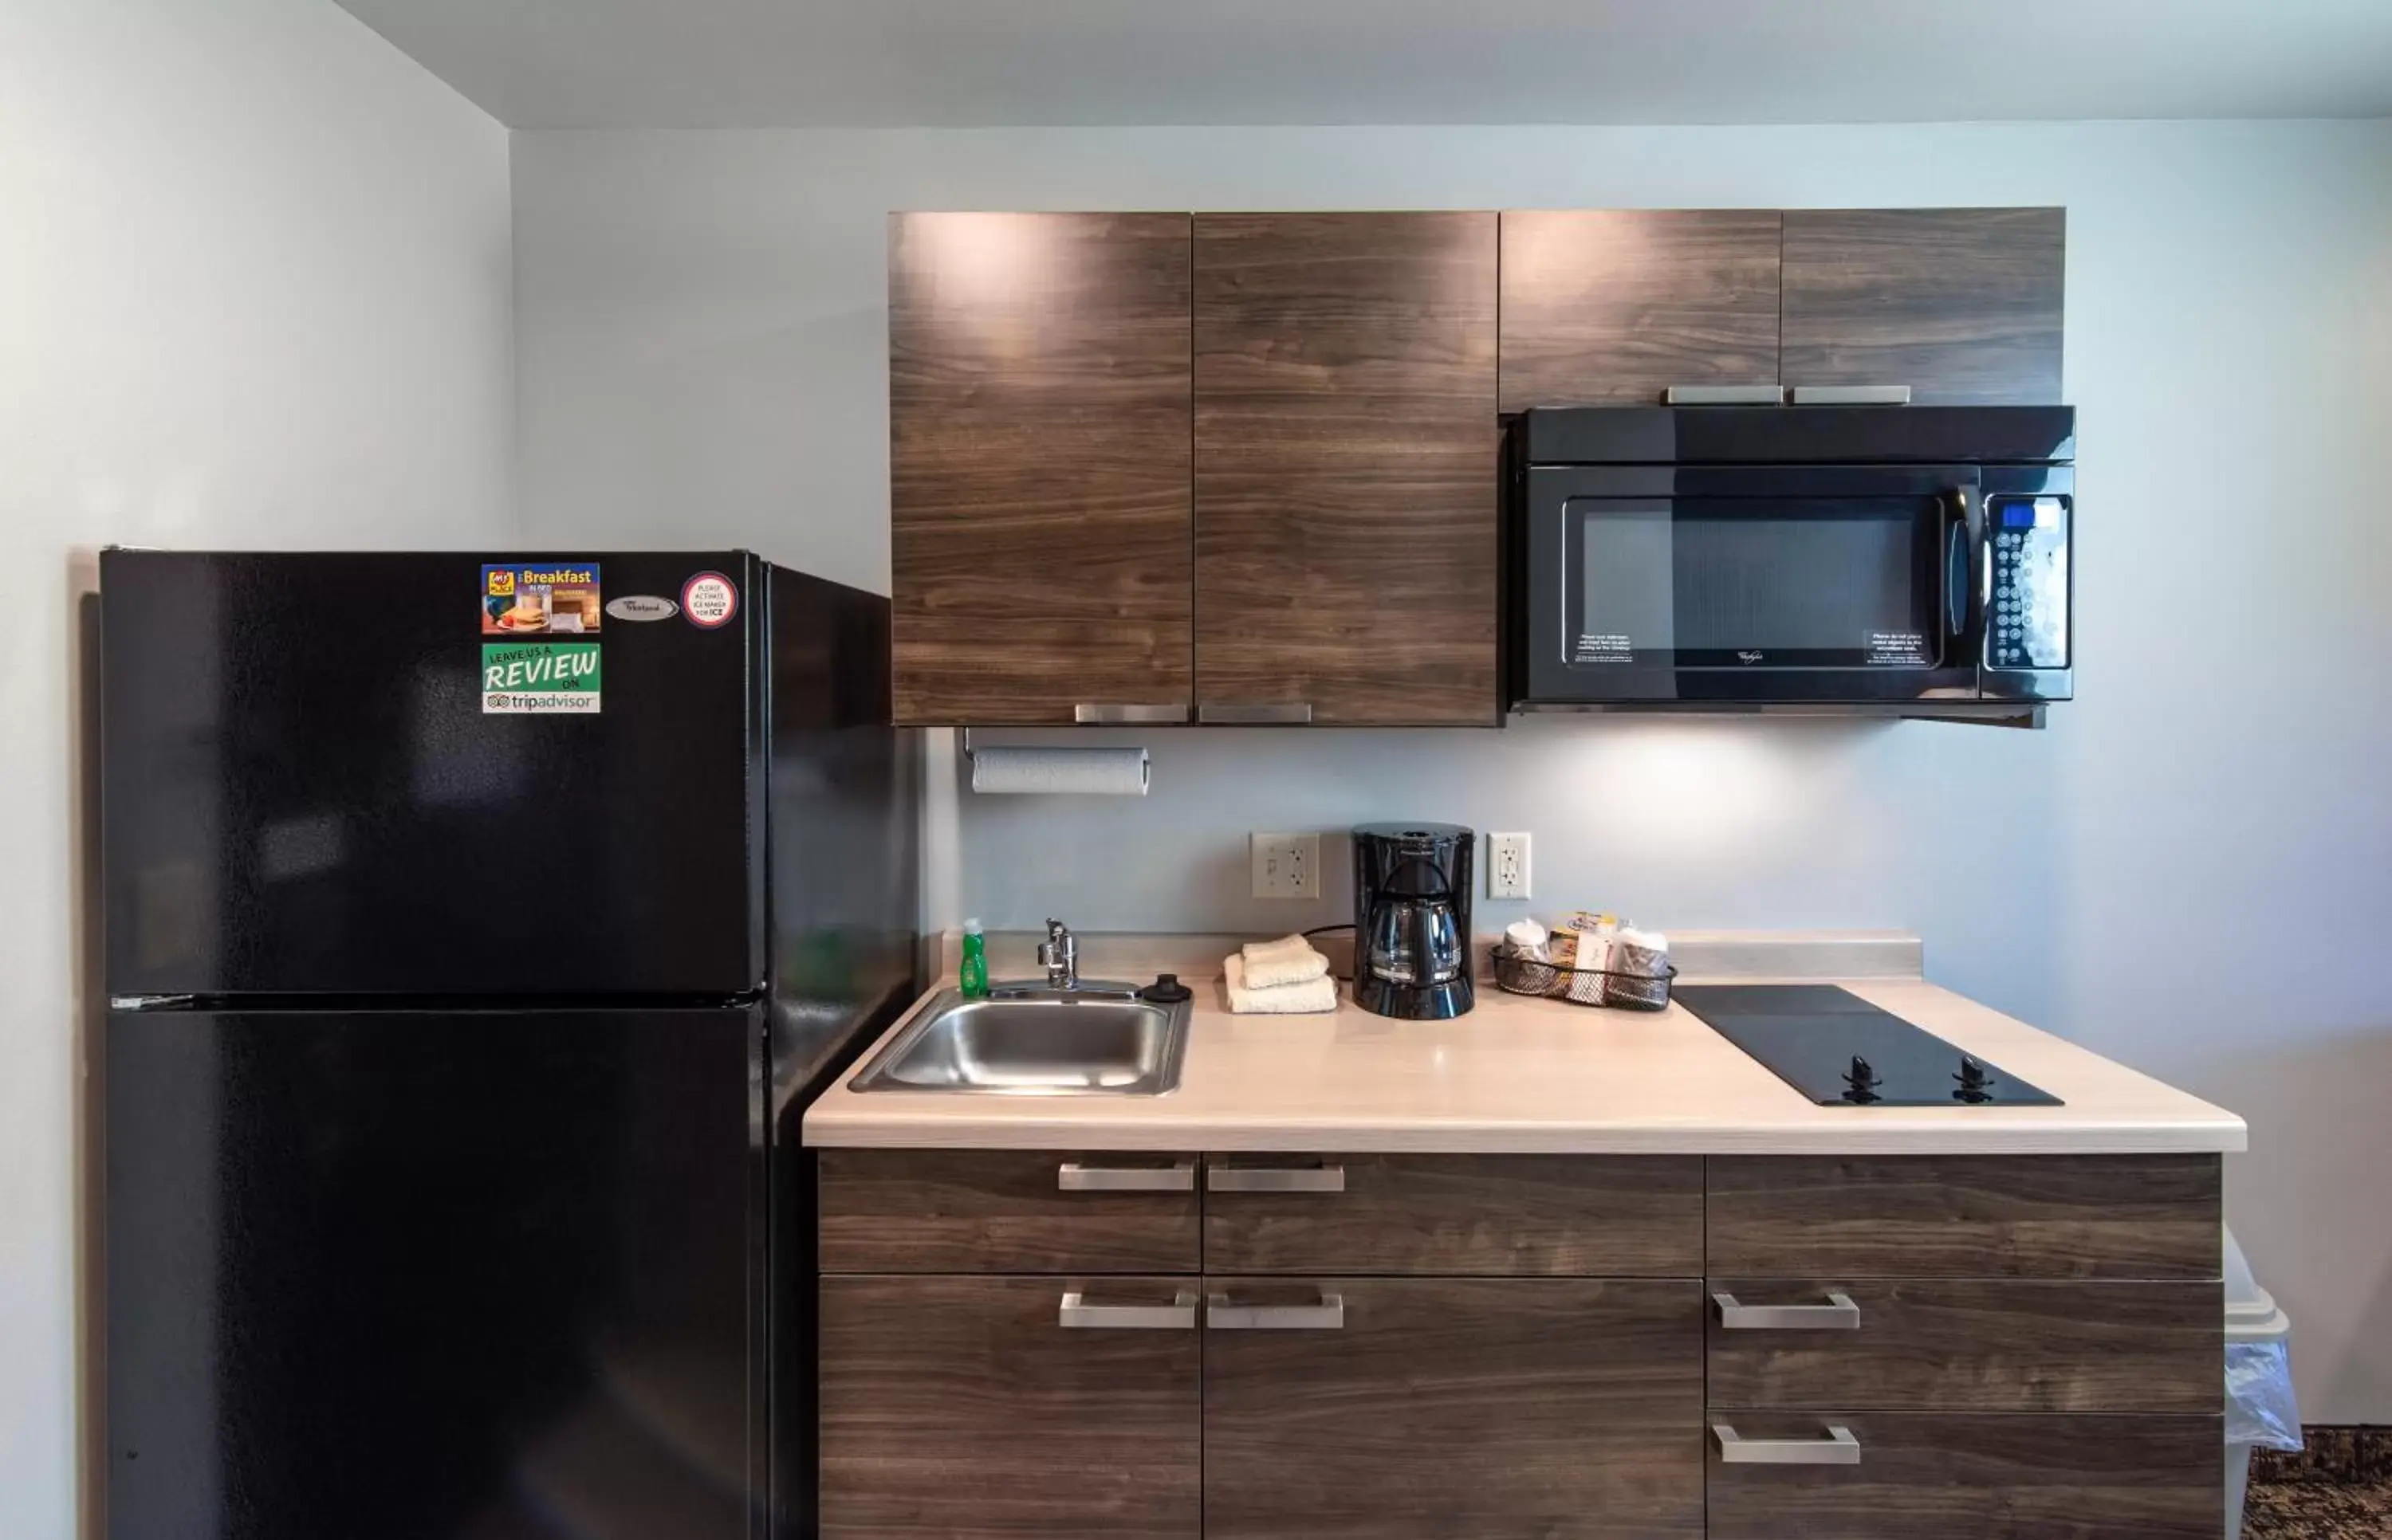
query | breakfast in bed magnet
[549, 598]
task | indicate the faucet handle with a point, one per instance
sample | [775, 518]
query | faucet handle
[1059, 955]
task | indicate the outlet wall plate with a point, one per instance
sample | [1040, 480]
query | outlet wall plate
[1285, 866]
[1507, 866]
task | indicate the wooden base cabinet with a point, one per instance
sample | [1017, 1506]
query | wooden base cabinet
[1375, 1347]
[971, 1408]
[1388, 1408]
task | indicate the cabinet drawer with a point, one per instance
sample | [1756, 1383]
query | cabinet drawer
[2053, 1216]
[960, 1408]
[1922, 1477]
[1992, 1345]
[1495, 1408]
[1006, 1211]
[1524, 1215]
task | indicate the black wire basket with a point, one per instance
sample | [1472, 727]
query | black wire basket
[1605, 987]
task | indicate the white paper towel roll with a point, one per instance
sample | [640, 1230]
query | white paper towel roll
[1071, 771]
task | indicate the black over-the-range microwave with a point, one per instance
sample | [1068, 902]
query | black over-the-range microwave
[1895, 561]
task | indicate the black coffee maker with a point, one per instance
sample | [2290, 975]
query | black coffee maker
[1412, 920]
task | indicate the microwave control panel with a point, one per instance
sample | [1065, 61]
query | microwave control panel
[2026, 626]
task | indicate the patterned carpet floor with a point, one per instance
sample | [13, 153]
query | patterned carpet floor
[2318, 1511]
[2337, 1488]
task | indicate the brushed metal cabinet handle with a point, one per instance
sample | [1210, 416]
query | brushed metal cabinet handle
[1275, 1179]
[1231, 714]
[1105, 714]
[1074, 1177]
[1076, 1313]
[1328, 1315]
[1852, 396]
[1724, 395]
[1839, 1313]
[1837, 1448]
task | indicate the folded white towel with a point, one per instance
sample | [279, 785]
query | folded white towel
[1313, 995]
[1288, 960]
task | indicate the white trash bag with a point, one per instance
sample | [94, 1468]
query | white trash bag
[2259, 1408]
[2260, 1411]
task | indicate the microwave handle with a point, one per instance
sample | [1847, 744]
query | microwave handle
[1963, 543]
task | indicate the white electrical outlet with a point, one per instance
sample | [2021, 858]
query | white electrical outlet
[1286, 866]
[1507, 866]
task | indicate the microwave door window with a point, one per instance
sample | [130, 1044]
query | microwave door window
[1628, 608]
[1768, 583]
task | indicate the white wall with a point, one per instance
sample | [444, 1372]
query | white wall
[255, 291]
[701, 354]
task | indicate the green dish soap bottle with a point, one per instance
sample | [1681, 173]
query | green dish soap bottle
[972, 974]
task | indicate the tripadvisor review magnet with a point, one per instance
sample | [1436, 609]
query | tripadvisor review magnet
[528, 679]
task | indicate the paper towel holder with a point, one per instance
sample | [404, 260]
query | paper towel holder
[1101, 781]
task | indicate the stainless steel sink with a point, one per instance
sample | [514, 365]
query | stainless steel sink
[1089, 1040]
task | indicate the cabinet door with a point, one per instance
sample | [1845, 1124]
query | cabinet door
[1613, 306]
[962, 1407]
[1963, 305]
[1386, 1408]
[908, 1210]
[1517, 1215]
[1984, 1476]
[1345, 468]
[1039, 401]
[1965, 1344]
[1963, 1216]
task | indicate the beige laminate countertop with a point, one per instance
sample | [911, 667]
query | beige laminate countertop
[1522, 1075]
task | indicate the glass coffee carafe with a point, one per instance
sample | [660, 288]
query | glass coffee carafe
[1412, 919]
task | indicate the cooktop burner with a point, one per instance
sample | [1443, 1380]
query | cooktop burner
[1840, 1051]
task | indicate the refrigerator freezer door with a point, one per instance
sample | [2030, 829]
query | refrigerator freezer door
[306, 790]
[395, 1276]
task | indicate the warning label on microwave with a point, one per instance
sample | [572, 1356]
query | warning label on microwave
[1900, 649]
[1594, 647]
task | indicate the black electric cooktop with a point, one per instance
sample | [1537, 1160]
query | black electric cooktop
[1840, 1051]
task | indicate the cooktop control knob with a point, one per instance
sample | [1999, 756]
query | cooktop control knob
[1860, 1081]
[1975, 1085]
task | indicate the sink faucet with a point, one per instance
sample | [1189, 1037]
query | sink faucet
[1059, 953]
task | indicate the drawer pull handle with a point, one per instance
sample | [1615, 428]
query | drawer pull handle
[1253, 713]
[1179, 1315]
[1852, 396]
[1074, 1177]
[1839, 1313]
[1275, 1179]
[1837, 1448]
[1724, 395]
[1108, 714]
[1328, 1315]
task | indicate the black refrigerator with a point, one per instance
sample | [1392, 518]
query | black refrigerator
[477, 929]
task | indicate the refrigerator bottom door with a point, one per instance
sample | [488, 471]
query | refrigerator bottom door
[387, 1273]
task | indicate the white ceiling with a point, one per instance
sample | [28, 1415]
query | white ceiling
[798, 63]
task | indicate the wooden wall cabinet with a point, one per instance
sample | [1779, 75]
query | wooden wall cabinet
[1613, 306]
[1039, 486]
[1345, 468]
[1243, 466]
[1608, 308]
[1963, 305]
